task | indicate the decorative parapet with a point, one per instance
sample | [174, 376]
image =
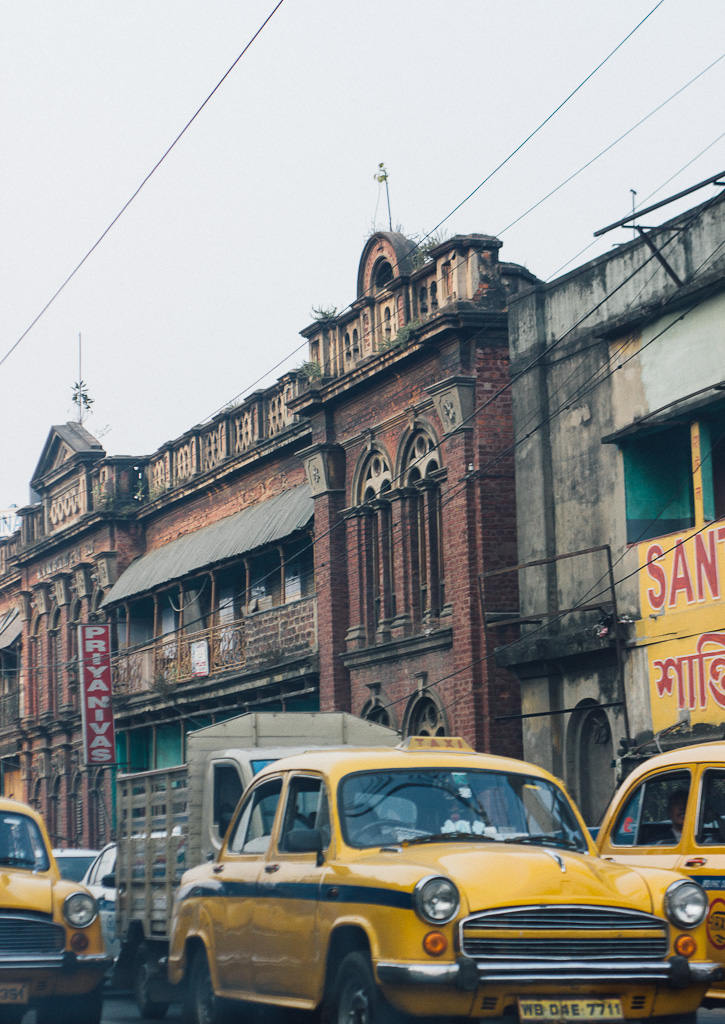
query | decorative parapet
[236, 430]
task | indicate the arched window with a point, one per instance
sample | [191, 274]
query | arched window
[355, 344]
[433, 296]
[54, 662]
[424, 716]
[421, 463]
[386, 324]
[423, 301]
[376, 542]
[376, 709]
[383, 275]
[72, 672]
[35, 668]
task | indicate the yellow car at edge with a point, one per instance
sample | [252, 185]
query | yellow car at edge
[51, 949]
[430, 881]
[670, 812]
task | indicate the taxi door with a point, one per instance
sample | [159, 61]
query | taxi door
[703, 857]
[649, 826]
[235, 874]
[286, 943]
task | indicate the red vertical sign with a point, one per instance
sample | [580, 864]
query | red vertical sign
[94, 651]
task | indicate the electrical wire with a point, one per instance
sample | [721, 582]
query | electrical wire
[150, 174]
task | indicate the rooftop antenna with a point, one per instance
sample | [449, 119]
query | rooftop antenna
[381, 176]
[80, 392]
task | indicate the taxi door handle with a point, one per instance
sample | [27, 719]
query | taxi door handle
[218, 868]
[695, 862]
[271, 868]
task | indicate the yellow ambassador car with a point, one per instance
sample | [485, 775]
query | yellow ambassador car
[670, 812]
[430, 881]
[51, 950]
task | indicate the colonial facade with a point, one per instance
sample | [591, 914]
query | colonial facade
[619, 411]
[327, 543]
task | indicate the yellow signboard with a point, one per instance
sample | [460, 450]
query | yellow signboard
[682, 593]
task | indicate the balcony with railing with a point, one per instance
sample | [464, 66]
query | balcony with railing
[266, 638]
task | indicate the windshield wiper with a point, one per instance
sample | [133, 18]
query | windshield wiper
[18, 862]
[449, 837]
[545, 840]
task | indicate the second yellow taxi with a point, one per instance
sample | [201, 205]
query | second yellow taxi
[430, 881]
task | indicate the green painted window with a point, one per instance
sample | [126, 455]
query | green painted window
[658, 483]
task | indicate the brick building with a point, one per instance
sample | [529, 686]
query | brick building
[324, 544]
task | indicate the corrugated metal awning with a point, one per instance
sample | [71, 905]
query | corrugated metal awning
[10, 628]
[260, 524]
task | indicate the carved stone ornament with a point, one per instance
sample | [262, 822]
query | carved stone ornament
[454, 400]
[61, 589]
[42, 599]
[324, 465]
[106, 563]
[84, 584]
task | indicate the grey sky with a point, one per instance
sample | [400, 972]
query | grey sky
[262, 209]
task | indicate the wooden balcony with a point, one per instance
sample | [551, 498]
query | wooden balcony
[264, 638]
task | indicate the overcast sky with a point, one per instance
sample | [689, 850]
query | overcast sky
[262, 209]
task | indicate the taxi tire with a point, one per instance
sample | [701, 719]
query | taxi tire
[201, 1005]
[142, 975]
[356, 998]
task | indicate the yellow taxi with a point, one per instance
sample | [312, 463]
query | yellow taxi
[430, 881]
[670, 813]
[51, 949]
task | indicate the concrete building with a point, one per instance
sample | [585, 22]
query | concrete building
[323, 544]
[618, 373]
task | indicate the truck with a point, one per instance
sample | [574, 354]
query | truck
[174, 818]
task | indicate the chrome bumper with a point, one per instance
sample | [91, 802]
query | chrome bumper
[67, 962]
[468, 974]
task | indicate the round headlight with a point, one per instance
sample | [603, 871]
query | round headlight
[686, 904]
[80, 910]
[436, 900]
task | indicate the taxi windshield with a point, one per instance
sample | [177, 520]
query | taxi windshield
[430, 805]
[21, 843]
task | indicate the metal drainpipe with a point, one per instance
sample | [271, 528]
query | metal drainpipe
[617, 642]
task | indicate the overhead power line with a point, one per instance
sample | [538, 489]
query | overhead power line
[150, 174]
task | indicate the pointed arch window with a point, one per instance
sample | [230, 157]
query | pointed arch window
[421, 465]
[375, 482]
[54, 661]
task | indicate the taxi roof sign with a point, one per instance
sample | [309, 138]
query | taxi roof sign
[440, 743]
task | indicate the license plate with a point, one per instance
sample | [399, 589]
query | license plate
[570, 1009]
[13, 994]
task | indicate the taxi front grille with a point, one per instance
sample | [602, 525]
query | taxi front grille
[24, 936]
[572, 932]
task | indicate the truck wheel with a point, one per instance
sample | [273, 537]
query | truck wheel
[85, 1009]
[356, 998]
[202, 1005]
[142, 976]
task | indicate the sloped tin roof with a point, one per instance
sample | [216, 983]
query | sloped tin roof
[260, 524]
[11, 626]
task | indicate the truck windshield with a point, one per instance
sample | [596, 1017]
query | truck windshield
[21, 844]
[429, 805]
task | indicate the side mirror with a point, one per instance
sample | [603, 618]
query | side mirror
[305, 840]
[108, 881]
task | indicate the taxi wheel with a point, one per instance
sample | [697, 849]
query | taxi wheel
[142, 977]
[356, 998]
[201, 1005]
